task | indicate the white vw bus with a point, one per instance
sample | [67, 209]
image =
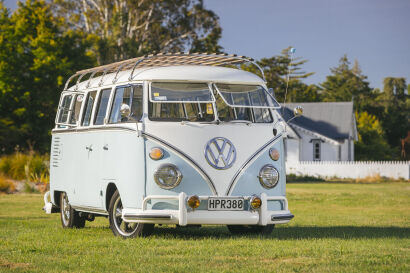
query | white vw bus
[185, 139]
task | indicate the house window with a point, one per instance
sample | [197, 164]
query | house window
[316, 150]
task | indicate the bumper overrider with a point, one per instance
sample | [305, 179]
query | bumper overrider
[184, 215]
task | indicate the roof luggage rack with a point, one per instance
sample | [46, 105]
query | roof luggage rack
[162, 59]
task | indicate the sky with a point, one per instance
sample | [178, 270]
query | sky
[375, 32]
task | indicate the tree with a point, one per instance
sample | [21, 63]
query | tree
[127, 28]
[346, 84]
[35, 57]
[278, 68]
[372, 144]
[395, 114]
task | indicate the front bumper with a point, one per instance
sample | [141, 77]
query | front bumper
[186, 216]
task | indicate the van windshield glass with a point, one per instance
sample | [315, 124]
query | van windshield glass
[232, 114]
[202, 112]
[180, 92]
[240, 95]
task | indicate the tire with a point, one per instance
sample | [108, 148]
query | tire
[69, 217]
[124, 229]
[252, 229]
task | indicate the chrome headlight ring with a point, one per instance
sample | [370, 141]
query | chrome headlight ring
[167, 176]
[268, 176]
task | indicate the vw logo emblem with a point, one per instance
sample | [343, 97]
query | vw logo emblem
[220, 153]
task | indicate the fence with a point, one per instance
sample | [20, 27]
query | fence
[350, 169]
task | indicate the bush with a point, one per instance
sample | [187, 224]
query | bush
[303, 178]
[5, 164]
[30, 167]
[6, 185]
[17, 168]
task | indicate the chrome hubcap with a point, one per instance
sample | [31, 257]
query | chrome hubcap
[65, 210]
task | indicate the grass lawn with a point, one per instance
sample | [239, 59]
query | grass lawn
[337, 228]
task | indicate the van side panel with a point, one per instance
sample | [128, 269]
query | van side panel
[123, 163]
[65, 164]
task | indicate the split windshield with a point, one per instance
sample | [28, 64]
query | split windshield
[196, 102]
[253, 96]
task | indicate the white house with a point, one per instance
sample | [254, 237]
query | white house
[325, 132]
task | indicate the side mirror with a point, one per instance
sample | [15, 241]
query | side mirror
[298, 111]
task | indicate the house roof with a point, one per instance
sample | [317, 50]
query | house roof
[330, 119]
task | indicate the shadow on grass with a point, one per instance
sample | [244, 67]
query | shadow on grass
[289, 233]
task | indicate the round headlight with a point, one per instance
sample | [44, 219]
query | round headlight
[268, 176]
[167, 176]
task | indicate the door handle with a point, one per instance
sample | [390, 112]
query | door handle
[105, 147]
[89, 148]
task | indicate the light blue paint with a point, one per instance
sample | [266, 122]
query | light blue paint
[191, 183]
[248, 183]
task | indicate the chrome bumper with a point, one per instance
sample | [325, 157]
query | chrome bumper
[186, 216]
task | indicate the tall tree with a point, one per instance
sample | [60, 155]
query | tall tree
[347, 83]
[129, 28]
[395, 116]
[284, 73]
[35, 57]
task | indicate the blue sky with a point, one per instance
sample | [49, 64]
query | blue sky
[375, 32]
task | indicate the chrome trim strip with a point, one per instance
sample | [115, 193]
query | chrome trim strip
[90, 209]
[196, 165]
[282, 217]
[147, 216]
[242, 168]
[90, 129]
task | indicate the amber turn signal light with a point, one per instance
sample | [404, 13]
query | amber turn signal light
[274, 154]
[256, 202]
[193, 201]
[156, 153]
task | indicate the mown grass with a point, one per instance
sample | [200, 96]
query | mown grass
[337, 228]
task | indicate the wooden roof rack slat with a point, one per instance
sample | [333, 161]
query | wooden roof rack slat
[163, 59]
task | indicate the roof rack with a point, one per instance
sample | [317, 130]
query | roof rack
[162, 59]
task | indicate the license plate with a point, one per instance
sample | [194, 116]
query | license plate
[216, 203]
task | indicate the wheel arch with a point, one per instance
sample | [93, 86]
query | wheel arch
[111, 188]
[56, 197]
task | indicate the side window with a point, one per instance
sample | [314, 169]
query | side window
[89, 108]
[127, 104]
[102, 106]
[64, 109]
[75, 115]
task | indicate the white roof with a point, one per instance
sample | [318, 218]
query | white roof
[200, 73]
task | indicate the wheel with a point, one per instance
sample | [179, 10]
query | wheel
[124, 229]
[69, 217]
[252, 229]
